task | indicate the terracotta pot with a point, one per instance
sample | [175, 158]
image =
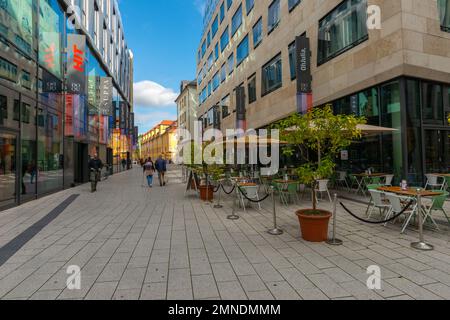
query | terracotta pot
[314, 228]
[206, 196]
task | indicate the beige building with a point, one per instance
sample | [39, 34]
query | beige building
[187, 105]
[161, 140]
[397, 76]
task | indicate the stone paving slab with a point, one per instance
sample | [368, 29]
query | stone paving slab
[132, 242]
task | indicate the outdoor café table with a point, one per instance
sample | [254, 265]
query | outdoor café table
[362, 180]
[410, 192]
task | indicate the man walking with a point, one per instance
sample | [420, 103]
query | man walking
[96, 166]
[161, 167]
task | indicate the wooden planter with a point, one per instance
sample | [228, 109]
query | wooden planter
[206, 193]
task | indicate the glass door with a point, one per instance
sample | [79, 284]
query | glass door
[8, 169]
[437, 151]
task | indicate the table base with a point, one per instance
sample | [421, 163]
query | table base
[422, 246]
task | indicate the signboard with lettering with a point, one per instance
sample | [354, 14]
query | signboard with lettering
[76, 63]
[50, 83]
[49, 38]
[106, 89]
[304, 78]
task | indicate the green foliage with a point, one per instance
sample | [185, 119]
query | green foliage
[213, 171]
[321, 132]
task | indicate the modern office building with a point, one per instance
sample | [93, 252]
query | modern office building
[65, 93]
[187, 105]
[254, 69]
[161, 140]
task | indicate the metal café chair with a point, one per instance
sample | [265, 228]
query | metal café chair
[388, 180]
[377, 202]
[437, 204]
[342, 179]
[396, 207]
[433, 182]
[322, 186]
[250, 192]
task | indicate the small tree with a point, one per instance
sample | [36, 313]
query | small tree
[320, 132]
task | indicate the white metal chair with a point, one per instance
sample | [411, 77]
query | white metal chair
[379, 203]
[342, 179]
[389, 180]
[396, 207]
[433, 182]
[252, 193]
[322, 186]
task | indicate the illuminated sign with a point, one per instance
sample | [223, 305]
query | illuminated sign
[76, 77]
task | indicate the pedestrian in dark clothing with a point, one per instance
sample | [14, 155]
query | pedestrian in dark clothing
[124, 164]
[149, 171]
[96, 166]
[161, 167]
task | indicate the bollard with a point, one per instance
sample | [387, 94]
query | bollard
[333, 241]
[275, 231]
[233, 215]
[218, 205]
[421, 245]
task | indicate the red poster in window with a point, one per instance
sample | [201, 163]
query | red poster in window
[68, 131]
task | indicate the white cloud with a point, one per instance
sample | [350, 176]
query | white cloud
[151, 94]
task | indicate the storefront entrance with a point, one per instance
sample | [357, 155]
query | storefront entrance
[437, 151]
[81, 162]
[8, 169]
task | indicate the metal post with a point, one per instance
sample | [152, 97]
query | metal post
[233, 215]
[334, 241]
[421, 245]
[218, 205]
[275, 231]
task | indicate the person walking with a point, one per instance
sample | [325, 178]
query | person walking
[96, 166]
[124, 164]
[149, 171]
[161, 167]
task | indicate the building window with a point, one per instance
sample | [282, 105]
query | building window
[274, 15]
[216, 81]
[272, 75]
[230, 64]
[433, 103]
[216, 51]
[225, 103]
[342, 29]
[222, 12]
[292, 4]
[444, 14]
[257, 33]
[252, 89]
[203, 48]
[223, 73]
[242, 51]
[249, 5]
[292, 61]
[208, 39]
[215, 27]
[236, 21]
[224, 40]
[210, 61]
[229, 4]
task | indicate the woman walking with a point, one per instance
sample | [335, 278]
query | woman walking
[149, 171]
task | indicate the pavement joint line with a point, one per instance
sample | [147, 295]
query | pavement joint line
[12, 247]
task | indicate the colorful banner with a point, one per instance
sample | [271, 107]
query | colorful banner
[49, 39]
[76, 64]
[69, 115]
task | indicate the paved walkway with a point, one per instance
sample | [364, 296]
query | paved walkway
[134, 243]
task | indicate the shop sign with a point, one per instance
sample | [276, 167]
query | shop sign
[76, 63]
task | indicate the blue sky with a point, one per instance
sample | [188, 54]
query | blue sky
[164, 37]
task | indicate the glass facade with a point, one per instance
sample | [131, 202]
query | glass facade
[444, 14]
[47, 132]
[418, 146]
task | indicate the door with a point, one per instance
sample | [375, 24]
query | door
[81, 161]
[8, 169]
[437, 151]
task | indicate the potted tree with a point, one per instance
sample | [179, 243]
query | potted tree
[319, 136]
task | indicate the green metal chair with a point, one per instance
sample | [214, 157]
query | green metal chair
[290, 190]
[438, 204]
[447, 183]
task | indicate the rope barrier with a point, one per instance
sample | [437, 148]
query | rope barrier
[253, 200]
[226, 192]
[377, 222]
[217, 189]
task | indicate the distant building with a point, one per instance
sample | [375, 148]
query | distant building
[187, 105]
[161, 140]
